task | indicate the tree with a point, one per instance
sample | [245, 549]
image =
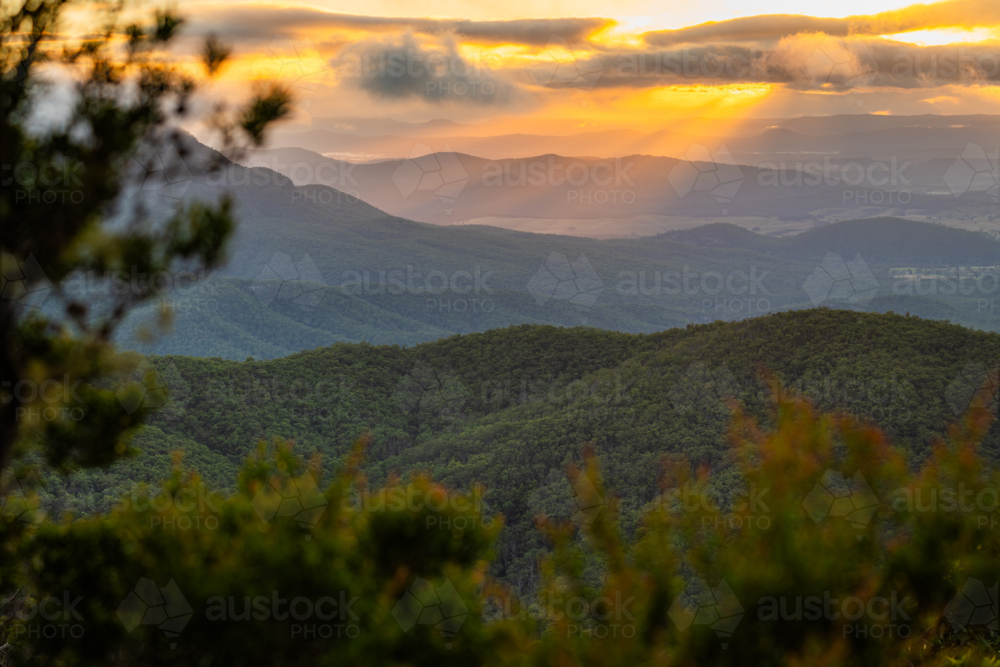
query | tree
[62, 210]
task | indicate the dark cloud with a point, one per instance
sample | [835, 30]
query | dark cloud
[532, 32]
[748, 29]
[803, 62]
[403, 68]
[262, 22]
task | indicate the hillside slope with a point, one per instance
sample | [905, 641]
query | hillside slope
[510, 408]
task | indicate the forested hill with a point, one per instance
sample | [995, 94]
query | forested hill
[510, 408]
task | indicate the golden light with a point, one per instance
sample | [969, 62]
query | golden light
[720, 98]
[943, 36]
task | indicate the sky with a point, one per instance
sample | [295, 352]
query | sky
[549, 65]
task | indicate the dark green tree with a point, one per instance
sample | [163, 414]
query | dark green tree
[63, 208]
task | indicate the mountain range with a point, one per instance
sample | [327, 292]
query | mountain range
[311, 265]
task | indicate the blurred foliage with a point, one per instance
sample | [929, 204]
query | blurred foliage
[723, 587]
[88, 125]
[78, 198]
[281, 573]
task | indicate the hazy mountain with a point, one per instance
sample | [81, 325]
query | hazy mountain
[883, 241]
[446, 188]
[750, 141]
[311, 266]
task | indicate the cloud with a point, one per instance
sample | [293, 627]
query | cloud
[944, 99]
[401, 68]
[815, 62]
[404, 59]
[774, 27]
[749, 29]
[262, 21]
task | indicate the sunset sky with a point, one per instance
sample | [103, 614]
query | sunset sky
[613, 64]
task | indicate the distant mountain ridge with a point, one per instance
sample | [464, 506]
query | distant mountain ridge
[885, 241]
[876, 137]
[312, 265]
[453, 187]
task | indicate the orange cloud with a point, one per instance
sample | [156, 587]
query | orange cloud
[768, 28]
